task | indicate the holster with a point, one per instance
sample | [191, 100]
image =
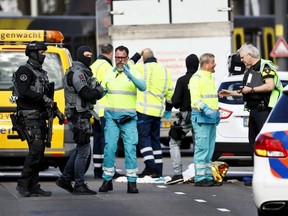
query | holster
[19, 127]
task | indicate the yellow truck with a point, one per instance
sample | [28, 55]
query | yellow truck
[58, 60]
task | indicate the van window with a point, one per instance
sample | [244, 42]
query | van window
[10, 62]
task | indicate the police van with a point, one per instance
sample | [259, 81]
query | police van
[57, 61]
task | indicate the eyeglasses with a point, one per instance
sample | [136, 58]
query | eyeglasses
[120, 57]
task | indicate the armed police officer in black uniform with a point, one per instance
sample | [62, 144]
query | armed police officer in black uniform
[261, 90]
[34, 97]
[81, 92]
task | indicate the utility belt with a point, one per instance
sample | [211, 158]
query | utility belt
[29, 114]
[73, 115]
[262, 106]
[33, 114]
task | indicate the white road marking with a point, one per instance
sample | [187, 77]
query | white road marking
[223, 209]
[200, 200]
[179, 193]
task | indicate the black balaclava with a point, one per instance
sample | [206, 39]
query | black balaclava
[80, 55]
[35, 55]
[192, 63]
[32, 51]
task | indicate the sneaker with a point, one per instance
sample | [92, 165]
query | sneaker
[83, 190]
[149, 172]
[204, 183]
[38, 192]
[175, 180]
[66, 185]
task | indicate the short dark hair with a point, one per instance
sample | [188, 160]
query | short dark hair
[106, 48]
[122, 48]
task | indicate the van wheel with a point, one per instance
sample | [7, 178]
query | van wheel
[62, 164]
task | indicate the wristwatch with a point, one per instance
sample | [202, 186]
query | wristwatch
[252, 90]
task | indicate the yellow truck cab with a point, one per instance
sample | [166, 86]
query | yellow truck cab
[57, 61]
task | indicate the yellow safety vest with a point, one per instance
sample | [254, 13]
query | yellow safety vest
[276, 92]
[159, 87]
[203, 90]
[122, 92]
[99, 67]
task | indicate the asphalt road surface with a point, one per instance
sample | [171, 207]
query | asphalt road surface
[159, 199]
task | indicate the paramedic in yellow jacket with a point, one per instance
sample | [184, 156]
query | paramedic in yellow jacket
[122, 83]
[205, 116]
[151, 105]
[99, 67]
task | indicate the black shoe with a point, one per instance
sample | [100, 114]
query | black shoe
[106, 186]
[215, 183]
[23, 190]
[117, 175]
[38, 192]
[98, 173]
[66, 185]
[83, 190]
[204, 183]
[175, 180]
[131, 187]
[148, 171]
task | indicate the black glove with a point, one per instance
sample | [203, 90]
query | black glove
[58, 114]
[101, 90]
[60, 117]
[48, 101]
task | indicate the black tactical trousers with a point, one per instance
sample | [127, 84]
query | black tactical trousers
[30, 173]
[257, 119]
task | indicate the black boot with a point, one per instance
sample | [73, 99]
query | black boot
[23, 189]
[106, 186]
[149, 171]
[98, 173]
[132, 188]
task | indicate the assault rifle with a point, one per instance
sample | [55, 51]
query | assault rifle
[52, 113]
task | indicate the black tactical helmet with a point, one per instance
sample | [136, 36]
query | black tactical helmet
[35, 46]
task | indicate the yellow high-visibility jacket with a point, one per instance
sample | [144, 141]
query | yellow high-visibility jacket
[99, 67]
[159, 89]
[203, 90]
[122, 92]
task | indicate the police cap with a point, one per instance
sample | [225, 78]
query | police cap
[35, 46]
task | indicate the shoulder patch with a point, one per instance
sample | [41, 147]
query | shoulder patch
[23, 77]
[82, 79]
[267, 69]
